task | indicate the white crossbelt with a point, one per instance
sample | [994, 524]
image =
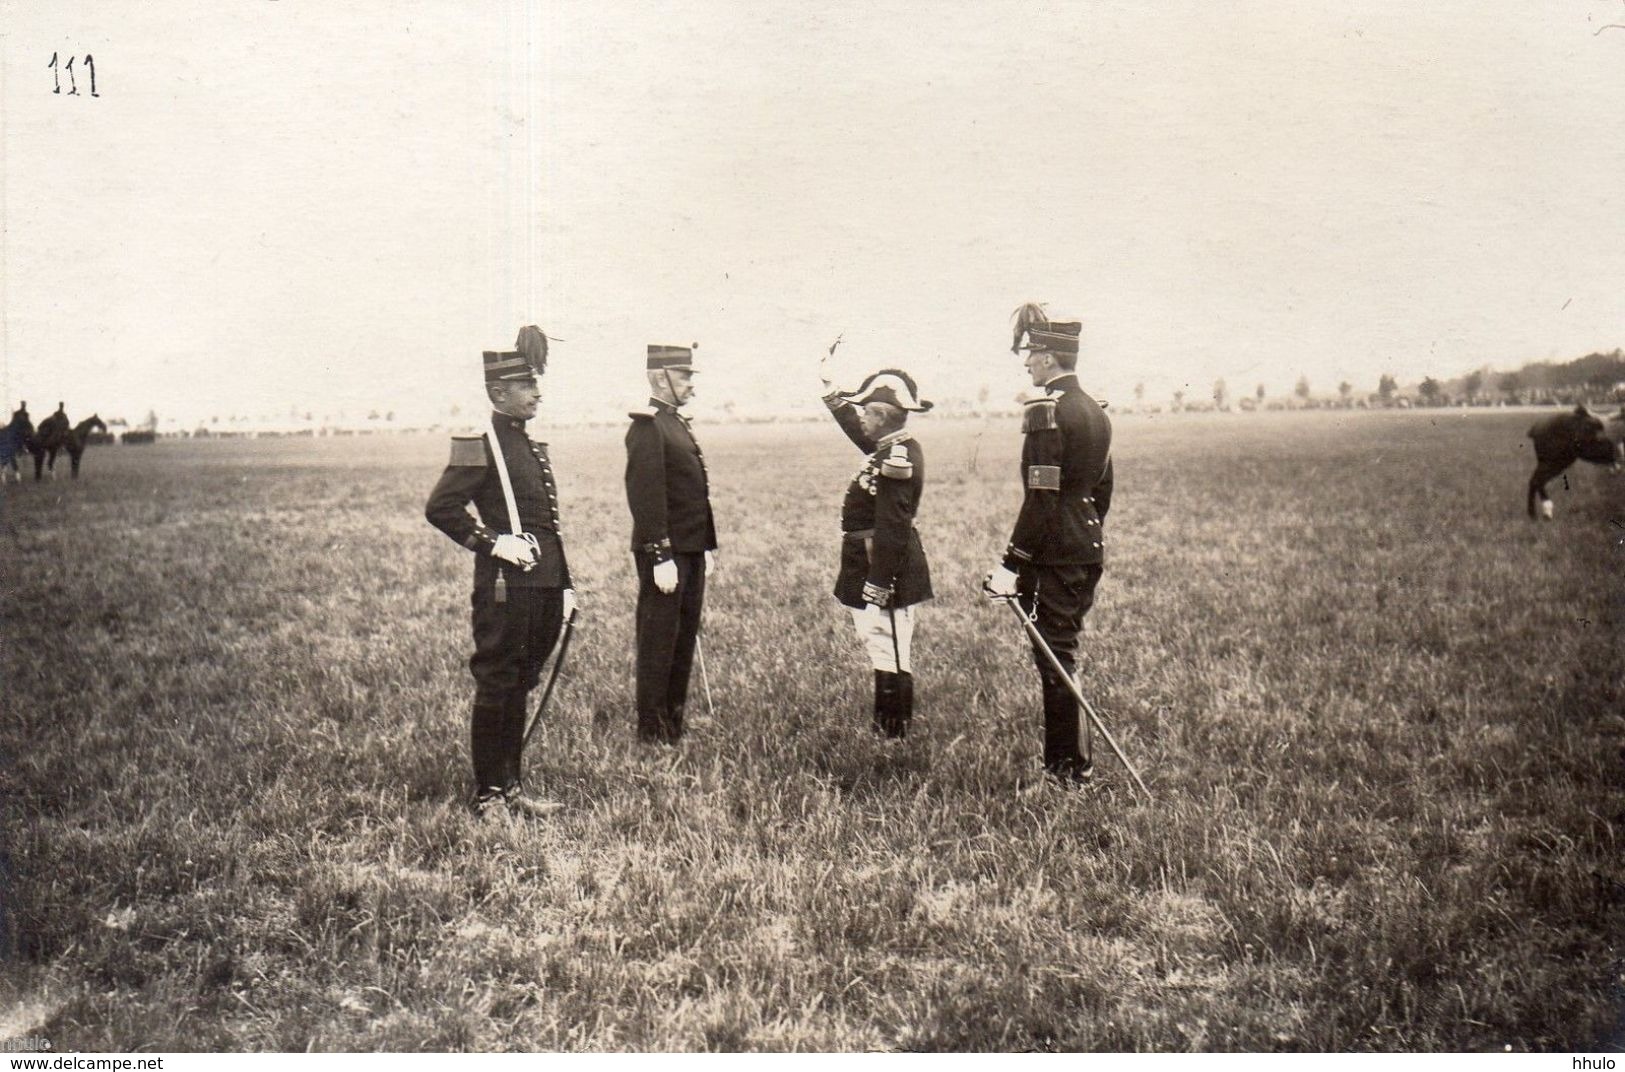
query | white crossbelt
[507, 486]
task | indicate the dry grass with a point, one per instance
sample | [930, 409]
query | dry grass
[1380, 710]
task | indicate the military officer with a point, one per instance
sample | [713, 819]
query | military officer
[1056, 553]
[883, 572]
[522, 588]
[674, 540]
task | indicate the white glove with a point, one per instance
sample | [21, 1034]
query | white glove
[666, 577]
[710, 563]
[1000, 584]
[515, 550]
[570, 604]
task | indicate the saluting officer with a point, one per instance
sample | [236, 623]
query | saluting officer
[674, 537]
[1056, 553]
[883, 573]
[522, 589]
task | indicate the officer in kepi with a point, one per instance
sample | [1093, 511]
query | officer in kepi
[1056, 553]
[522, 589]
[883, 573]
[674, 541]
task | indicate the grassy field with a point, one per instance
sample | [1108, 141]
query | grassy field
[1380, 710]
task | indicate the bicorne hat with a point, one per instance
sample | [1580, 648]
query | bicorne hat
[890, 385]
[526, 362]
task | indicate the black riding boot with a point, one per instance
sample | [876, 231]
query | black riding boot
[1064, 740]
[513, 744]
[486, 740]
[888, 695]
[905, 703]
[510, 765]
[885, 702]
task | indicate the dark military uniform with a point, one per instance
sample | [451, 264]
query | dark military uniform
[518, 614]
[879, 544]
[669, 491]
[1058, 548]
[883, 569]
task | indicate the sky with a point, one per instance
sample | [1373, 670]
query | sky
[280, 206]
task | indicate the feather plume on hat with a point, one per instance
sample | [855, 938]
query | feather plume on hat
[1025, 317]
[532, 343]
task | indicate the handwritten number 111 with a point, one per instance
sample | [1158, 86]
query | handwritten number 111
[73, 84]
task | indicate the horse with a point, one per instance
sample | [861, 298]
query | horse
[79, 439]
[54, 434]
[1560, 441]
[49, 437]
[13, 441]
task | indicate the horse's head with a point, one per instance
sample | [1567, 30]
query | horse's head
[96, 422]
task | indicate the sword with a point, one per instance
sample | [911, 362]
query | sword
[1072, 687]
[705, 678]
[552, 679]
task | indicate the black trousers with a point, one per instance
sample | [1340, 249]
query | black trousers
[1061, 596]
[667, 627]
[512, 640]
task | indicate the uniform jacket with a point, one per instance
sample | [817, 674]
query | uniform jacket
[667, 486]
[879, 543]
[1066, 471]
[471, 476]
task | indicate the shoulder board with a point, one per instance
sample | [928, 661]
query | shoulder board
[647, 413]
[468, 450]
[1038, 415]
[896, 463]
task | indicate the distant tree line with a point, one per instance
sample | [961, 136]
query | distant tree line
[1597, 379]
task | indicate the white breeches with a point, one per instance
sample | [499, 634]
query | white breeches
[874, 626]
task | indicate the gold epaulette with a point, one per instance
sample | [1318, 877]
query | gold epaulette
[468, 450]
[647, 413]
[1038, 415]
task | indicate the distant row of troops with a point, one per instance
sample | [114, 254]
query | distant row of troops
[524, 596]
